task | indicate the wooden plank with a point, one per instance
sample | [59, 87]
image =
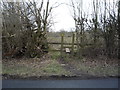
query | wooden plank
[60, 43]
[53, 50]
[67, 50]
[67, 47]
[66, 43]
[62, 40]
[73, 43]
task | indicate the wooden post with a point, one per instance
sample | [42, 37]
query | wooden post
[62, 40]
[73, 44]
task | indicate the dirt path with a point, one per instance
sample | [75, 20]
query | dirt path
[71, 68]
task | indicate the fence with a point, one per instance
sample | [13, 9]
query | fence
[62, 43]
[66, 47]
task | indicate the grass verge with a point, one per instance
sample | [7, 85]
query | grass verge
[33, 67]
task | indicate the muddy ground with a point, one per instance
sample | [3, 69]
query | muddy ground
[49, 67]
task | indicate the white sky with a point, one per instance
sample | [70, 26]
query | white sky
[62, 15]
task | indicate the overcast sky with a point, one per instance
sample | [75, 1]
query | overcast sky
[62, 15]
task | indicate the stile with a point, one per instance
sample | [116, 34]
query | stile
[62, 40]
[67, 50]
[73, 43]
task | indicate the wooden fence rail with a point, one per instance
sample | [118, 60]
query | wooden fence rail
[62, 43]
[66, 43]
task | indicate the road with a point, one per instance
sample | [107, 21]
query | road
[99, 83]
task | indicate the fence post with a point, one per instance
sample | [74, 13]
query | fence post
[73, 44]
[62, 40]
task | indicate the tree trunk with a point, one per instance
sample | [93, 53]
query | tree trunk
[118, 29]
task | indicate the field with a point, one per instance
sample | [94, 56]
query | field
[58, 40]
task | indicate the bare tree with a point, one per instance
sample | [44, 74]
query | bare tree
[118, 29]
[80, 19]
[25, 26]
[108, 25]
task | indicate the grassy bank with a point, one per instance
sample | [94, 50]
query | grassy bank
[44, 66]
[51, 64]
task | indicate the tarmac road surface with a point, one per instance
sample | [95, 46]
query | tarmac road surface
[91, 83]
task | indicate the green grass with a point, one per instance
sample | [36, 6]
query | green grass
[51, 66]
[18, 70]
[96, 69]
[34, 68]
[55, 69]
[55, 55]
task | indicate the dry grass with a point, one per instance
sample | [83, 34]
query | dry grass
[33, 67]
[95, 67]
[50, 65]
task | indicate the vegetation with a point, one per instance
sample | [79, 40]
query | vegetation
[26, 34]
[25, 67]
[26, 37]
[48, 66]
[24, 28]
[103, 25]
